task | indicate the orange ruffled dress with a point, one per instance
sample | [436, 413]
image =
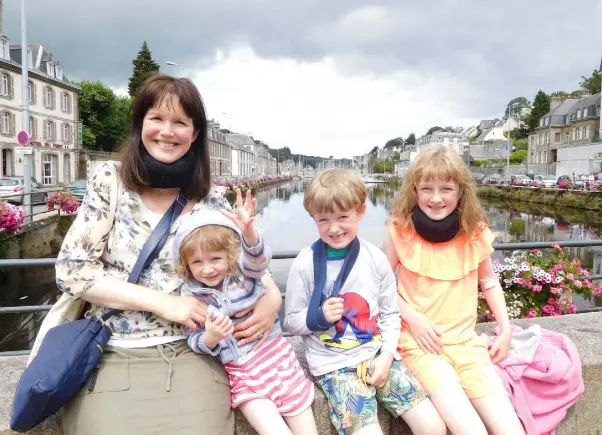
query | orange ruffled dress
[440, 280]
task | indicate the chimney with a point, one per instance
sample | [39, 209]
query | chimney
[555, 102]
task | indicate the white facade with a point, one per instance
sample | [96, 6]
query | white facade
[53, 117]
[457, 141]
[242, 161]
[577, 159]
[496, 133]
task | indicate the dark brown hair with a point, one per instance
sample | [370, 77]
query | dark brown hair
[154, 92]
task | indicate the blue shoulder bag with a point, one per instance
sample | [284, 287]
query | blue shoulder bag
[70, 353]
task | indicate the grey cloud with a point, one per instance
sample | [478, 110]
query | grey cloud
[498, 49]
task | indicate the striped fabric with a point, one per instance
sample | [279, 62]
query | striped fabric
[273, 373]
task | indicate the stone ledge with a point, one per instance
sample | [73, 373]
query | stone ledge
[582, 419]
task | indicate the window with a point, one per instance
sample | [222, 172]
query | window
[556, 137]
[49, 130]
[579, 114]
[58, 72]
[50, 69]
[541, 122]
[6, 123]
[49, 169]
[586, 132]
[29, 58]
[65, 102]
[31, 91]
[567, 137]
[585, 112]
[33, 130]
[574, 134]
[4, 84]
[3, 49]
[66, 134]
[48, 97]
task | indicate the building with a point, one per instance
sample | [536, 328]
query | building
[571, 122]
[242, 161]
[220, 151]
[457, 141]
[263, 162]
[53, 115]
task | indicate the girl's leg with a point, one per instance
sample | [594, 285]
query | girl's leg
[498, 415]
[302, 423]
[263, 415]
[373, 429]
[423, 419]
[457, 412]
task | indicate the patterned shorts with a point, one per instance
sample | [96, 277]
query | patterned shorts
[353, 403]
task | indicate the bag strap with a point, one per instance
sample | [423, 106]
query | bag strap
[153, 245]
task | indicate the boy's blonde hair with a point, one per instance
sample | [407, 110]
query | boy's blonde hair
[445, 164]
[333, 189]
[209, 238]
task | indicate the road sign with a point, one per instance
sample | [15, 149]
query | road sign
[23, 137]
[24, 150]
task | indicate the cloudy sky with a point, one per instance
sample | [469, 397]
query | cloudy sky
[330, 77]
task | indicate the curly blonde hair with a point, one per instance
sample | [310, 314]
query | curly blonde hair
[332, 189]
[445, 164]
[209, 238]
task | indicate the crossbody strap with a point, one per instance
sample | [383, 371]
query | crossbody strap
[153, 245]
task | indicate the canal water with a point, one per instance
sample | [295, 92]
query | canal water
[287, 227]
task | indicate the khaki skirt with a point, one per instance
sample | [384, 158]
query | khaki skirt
[163, 390]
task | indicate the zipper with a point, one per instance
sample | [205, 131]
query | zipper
[93, 378]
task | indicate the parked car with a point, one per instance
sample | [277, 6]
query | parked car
[478, 177]
[521, 180]
[78, 188]
[577, 183]
[10, 187]
[548, 181]
[506, 180]
[491, 179]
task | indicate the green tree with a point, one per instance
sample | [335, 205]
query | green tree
[395, 156]
[411, 140]
[433, 129]
[374, 152]
[381, 166]
[518, 156]
[561, 94]
[541, 106]
[394, 143]
[144, 67]
[518, 104]
[591, 84]
[104, 115]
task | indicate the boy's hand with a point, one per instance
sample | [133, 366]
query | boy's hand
[243, 217]
[379, 370]
[216, 330]
[333, 309]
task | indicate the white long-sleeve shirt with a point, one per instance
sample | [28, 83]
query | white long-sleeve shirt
[371, 321]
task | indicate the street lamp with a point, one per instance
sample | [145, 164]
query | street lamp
[175, 64]
[509, 141]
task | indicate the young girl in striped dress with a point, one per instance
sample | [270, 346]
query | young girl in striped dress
[266, 380]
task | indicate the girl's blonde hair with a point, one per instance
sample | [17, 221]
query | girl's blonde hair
[209, 238]
[445, 164]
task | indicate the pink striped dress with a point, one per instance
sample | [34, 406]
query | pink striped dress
[271, 372]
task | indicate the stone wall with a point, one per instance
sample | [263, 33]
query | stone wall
[582, 419]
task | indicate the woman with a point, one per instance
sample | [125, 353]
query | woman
[148, 380]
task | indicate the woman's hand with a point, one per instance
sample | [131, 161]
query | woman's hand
[259, 325]
[424, 332]
[186, 310]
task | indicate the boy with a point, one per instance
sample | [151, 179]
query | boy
[341, 297]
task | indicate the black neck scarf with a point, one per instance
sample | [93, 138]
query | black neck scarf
[168, 175]
[436, 231]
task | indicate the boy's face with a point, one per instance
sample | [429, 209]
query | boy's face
[209, 268]
[338, 229]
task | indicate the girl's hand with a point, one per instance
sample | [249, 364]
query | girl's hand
[186, 310]
[424, 332]
[259, 325]
[216, 330]
[500, 348]
[243, 216]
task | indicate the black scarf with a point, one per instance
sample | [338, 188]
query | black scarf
[436, 231]
[168, 175]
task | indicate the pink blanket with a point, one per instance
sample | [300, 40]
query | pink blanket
[543, 389]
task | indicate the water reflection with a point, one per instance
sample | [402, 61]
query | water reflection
[286, 226]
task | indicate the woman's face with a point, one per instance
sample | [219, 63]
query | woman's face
[167, 132]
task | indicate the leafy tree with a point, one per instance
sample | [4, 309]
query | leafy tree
[411, 140]
[144, 67]
[394, 143]
[561, 94]
[373, 152]
[541, 106]
[381, 166]
[517, 104]
[395, 156]
[518, 156]
[104, 115]
[591, 84]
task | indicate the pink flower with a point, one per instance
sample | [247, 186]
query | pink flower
[537, 288]
[548, 309]
[556, 246]
[554, 290]
[532, 313]
[578, 283]
[570, 276]
[589, 284]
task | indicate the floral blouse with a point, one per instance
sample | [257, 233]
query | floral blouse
[106, 243]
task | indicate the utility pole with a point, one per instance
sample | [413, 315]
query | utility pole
[27, 158]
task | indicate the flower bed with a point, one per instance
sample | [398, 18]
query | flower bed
[250, 183]
[11, 217]
[540, 285]
[65, 201]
